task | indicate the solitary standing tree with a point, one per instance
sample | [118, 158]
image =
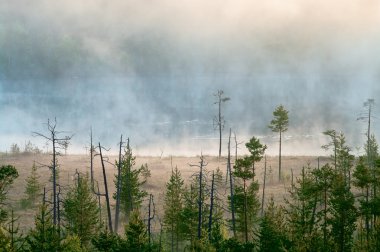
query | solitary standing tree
[219, 119]
[279, 124]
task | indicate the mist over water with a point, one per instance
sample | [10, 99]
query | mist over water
[149, 69]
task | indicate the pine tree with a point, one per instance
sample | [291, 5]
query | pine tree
[33, 186]
[343, 214]
[257, 151]
[363, 180]
[8, 174]
[268, 237]
[324, 179]
[106, 241]
[173, 207]
[245, 197]
[272, 236]
[218, 225]
[131, 194]
[279, 124]
[81, 211]
[45, 236]
[136, 234]
[190, 215]
[301, 213]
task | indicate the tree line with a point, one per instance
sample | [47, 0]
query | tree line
[334, 207]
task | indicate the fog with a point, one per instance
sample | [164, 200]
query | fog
[149, 69]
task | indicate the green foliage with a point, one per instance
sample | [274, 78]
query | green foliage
[256, 149]
[280, 121]
[107, 242]
[173, 208]
[8, 174]
[5, 240]
[33, 186]
[273, 232]
[189, 214]
[246, 203]
[218, 227]
[301, 212]
[72, 243]
[372, 148]
[233, 245]
[279, 124]
[45, 236]
[131, 194]
[81, 211]
[136, 233]
[343, 214]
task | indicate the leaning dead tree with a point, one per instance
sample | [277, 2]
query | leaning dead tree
[58, 143]
[106, 194]
[219, 119]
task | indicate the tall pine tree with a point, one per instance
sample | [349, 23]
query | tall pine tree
[173, 207]
[81, 211]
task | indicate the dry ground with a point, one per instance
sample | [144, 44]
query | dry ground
[160, 171]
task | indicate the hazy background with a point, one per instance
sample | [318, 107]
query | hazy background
[148, 70]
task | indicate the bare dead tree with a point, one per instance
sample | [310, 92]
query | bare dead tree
[201, 165]
[97, 192]
[219, 119]
[102, 159]
[236, 146]
[57, 144]
[229, 172]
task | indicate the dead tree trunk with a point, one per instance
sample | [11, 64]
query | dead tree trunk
[118, 189]
[151, 209]
[219, 120]
[211, 206]
[106, 190]
[231, 185]
[97, 192]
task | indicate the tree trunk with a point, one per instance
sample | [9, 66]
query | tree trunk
[106, 191]
[279, 161]
[54, 182]
[220, 127]
[231, 185]
[245, 213]
[200, 201]
[211, 206]
[264, 180]
[118, 189]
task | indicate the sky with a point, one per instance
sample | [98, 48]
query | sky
[149, 69]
